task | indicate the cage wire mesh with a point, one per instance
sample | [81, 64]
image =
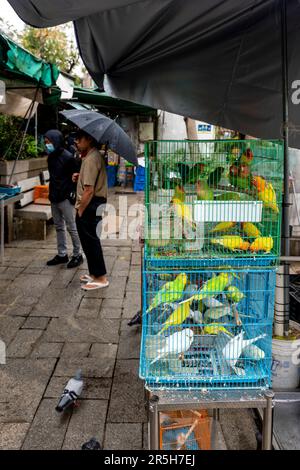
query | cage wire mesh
[207, 329]
[213, 200]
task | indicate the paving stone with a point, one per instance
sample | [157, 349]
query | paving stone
[90, 366]
[111, 303]
[94, 388]
[89, 308]
[130, 340]
[12, 435]
[17, 310]
[32, 270]
[104, 351]
[11, 273]
[134, 288]
[23, 343]
[24, 284]
[43, 350]
[120, 436]
[48, 429]
[145, 437]
[82, 330]
[110, 312]
[131, 307]
[76, 350]
[9, 327]
[87, 421]
[136, 259]
[23, 382]
[238, 429]
[2, 269]
[63, 278]
[4, 284]
[36, 323]
[127, 397]
[57, 302]
[134, 276]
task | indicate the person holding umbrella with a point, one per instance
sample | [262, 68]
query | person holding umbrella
[92, 183]
[91, 193]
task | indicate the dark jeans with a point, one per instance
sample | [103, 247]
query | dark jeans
[86, 227]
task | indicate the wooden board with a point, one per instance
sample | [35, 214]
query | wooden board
[27, 198]
[29, 183]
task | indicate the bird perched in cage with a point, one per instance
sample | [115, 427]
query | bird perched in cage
[215, 329]
[250, 230]
[262, 244]
[240, 176]
[216, 313]
[179, 193]
[183, 212]
[213, 286]
[170, 292]
[215, 176]
[246, 157]
[231, 242]
[253, 352]
[176, 344]
[223, 227]
[204, 192]
[233, 349]
[197, 171]
[234, 155]
[265, 193]
[234, 294]
[180, 314]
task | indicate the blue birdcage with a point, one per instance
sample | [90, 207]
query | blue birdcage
[207, 329]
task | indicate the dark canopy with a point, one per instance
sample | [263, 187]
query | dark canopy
[215, 60]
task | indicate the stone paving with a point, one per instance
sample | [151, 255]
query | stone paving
[51, 328]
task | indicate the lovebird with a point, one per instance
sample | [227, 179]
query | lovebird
[223, 227]
[250, 230]
[213, 287]
[234, 295]
[262, 244]
[215, 176]
[179, 315]
[170, 292]
[265, 193]
[177, 343]
[233, 349]
[179, 193]
[247, 157]
[215, 329]
[184, 212]
[204, 192]
[231, 242]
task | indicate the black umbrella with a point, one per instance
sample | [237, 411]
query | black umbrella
[105, 131]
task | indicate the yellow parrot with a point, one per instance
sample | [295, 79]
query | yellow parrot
[265, 193]
[183, 212]
[214, 286]
[177, 317]
[232, 242]
[262, 244]
[170, 292]
[215, 329]
[223, 227]
[250, 230]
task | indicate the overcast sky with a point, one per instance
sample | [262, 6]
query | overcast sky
[9, 15]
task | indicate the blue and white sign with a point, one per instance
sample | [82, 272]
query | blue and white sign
[204, 127]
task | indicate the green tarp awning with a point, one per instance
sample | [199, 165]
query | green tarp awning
[19, 63]
[94, 97]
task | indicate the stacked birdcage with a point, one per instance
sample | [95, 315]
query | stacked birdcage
[212, 244]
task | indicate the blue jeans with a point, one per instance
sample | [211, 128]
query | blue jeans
[63, 214]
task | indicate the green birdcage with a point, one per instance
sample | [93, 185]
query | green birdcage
[213, 201]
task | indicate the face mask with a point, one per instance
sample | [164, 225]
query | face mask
[50, 148]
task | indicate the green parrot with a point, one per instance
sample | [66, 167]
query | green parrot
[204, 192]
[170, 292]
[213, 287]
[234, 295]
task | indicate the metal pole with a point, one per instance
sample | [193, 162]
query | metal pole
[285, 134]
[268, 421]
[153, 423]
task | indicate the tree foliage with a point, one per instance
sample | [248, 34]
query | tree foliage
[53, 45]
